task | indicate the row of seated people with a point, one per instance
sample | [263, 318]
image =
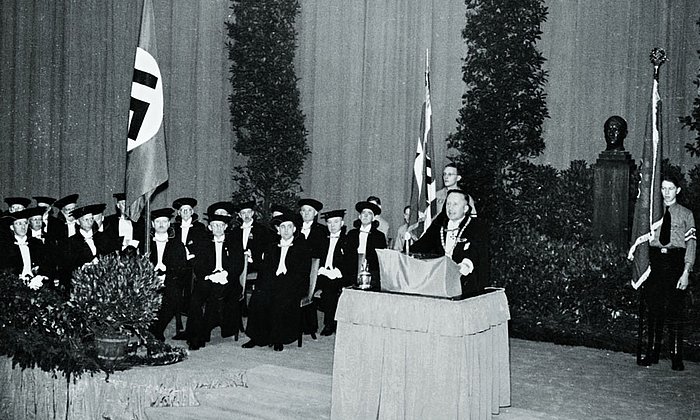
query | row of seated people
[203, 267]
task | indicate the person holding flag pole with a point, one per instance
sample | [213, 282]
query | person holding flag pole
[146, 160]
[663, 248]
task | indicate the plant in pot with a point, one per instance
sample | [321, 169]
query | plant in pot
[118, 298]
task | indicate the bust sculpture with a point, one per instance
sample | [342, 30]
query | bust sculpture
[615, 129]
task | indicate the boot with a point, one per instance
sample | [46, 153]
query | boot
[655, 329]
[676, 341]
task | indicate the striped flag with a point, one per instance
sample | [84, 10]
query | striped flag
[146, 160]
[648, 212]
[423, 190]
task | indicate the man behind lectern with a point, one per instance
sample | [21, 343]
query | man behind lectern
[462, 237]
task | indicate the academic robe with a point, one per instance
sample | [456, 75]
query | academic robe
[197, 235]
[472, 243]
[273, 311]
[57, 230]
[111, 232]
[331, 288]
[11, 256]
[77, 252]
[258, 240]
[175, 261]
[214, 304]
[315, 240]
[375, 240]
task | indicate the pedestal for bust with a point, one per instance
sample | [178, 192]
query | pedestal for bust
[611, 197]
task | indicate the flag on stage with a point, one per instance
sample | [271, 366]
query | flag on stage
[423, 190]
[146, 160]
[648, 208]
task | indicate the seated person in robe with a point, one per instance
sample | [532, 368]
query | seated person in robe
[363, 241]
[332, 275]
[214, 302]
[23, 255]
[169, 258]
[283, 280]
[87, 244]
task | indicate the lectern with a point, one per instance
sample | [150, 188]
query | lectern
[403, 355]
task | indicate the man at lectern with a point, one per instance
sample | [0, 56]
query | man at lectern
[463, 238]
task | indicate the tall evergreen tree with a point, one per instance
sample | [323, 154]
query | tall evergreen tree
[265, 105]
[500, 122]
[692, 122]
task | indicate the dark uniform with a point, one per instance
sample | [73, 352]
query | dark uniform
[665, 302]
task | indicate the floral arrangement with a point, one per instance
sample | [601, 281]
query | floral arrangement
[115, 296]
[118, 295]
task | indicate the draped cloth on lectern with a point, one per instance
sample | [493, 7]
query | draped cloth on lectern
[403, 356]
[433, 277]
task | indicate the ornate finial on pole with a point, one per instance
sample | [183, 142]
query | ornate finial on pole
[657, 58]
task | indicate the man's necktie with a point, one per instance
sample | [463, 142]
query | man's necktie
[665, 233]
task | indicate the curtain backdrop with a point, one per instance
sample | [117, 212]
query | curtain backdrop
[65, 81]
[66, 66]
[598, 61]
[361, 64]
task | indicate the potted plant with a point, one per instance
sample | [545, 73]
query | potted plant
[118, 296]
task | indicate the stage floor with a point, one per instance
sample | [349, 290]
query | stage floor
[548, 382]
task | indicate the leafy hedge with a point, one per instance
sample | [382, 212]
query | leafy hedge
[39, 329]
[562, 284]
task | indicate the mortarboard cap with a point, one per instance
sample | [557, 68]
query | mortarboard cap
[284, 217]
[333, 213]
[44, 200]
[24, 214]
[374, 199]
[226, 206]
[69, 199]
[22, 201]
[184, 201]
[278, 208]
[164, 212]
[317, 205]
[119, 196]
[97, 208]
[367, 205]
[218, 218]
[250, 204]
[79, 212]
[34, 211]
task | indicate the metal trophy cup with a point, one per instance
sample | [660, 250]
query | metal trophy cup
[364, 278]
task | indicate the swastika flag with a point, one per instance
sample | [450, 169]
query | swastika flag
[146, 159]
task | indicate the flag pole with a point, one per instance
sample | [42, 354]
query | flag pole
[147, 230]
[146, 156]
[644, 224]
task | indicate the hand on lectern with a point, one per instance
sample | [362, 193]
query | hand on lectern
[466, 267]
